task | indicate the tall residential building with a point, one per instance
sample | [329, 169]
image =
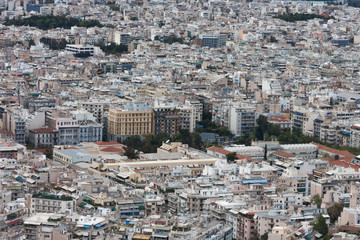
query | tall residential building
[166, 120]
[187, 117]
[212, 40]
[133, 119]
[242, 119]
[14, 122]
[198, 107]
[96, 108]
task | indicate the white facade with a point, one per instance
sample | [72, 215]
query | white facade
[242, 119]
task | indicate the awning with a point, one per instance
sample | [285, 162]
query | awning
[86, 226]
[15, 221]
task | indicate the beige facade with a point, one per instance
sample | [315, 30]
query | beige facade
[130, 123]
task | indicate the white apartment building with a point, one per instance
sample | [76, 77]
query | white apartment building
[242, 119]
[49, 203]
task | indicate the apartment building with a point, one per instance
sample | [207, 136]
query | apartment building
[166, 120]
[43, 226]
[187, 117]
[46, 137]
[246, 225]
[355, 135]
[242, 119]
[14, 122]
[98, 109]
[89, 129]
[68, 130]
[134, 119]
[49, 203]
[154, 205]
[212, 40]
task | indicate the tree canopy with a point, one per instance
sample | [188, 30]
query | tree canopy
[50, 22]
[293, 17]
[320, 225]
[317, 200]
[335, 211]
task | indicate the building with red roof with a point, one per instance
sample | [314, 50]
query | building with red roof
[43, 137]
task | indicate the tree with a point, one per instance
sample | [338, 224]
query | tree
[273, 39]
[135, 142]
[231, 157]
[131, 153]
[49, 153]
[265, 152]
[317, 200]
[197, 140]
[262, 126]
[335, 211]
[320, 225]
[186, 137]
[265, 236]
[326, 237]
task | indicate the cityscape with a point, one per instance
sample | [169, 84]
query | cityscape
[179, 119]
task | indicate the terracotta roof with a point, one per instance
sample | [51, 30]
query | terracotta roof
[284, 154]
[219, 150]
[334, 151]
[43, 130]
[278, 119]
[348, 228]
[111, 149]
[106, 143]
[344, 164]
[241, 157]
[355, 127]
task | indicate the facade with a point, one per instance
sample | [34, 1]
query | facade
[14, 122]
[89, 129]
[68, 130]
[46, 137]
[98, 109]
[35, 103]
[130, 122]
[80, 50]
[154, 205]
[355, 135]
[166, 120]
[212, 40]
[187, 118]
[41, 226]
[246, 225]
[242, 119]
[48, 203]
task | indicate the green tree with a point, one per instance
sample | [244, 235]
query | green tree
[185, 137]
[265, 236]
[197, 142]
[262, 127]
[265, 152]
[326, 237]
[273, 39]
[135, 142]
[320, 225]
[317, 200]
[231, 157]
[335, 211]
[131, 153]
[49, 153]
